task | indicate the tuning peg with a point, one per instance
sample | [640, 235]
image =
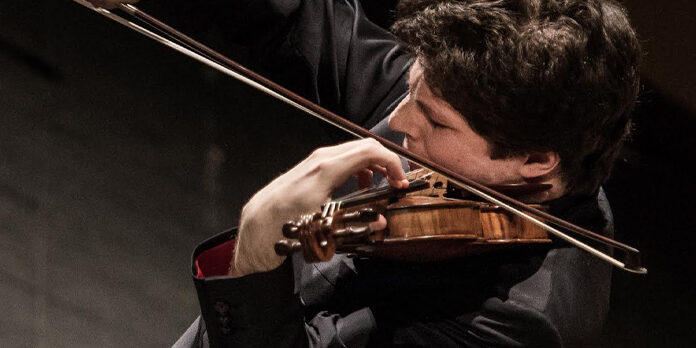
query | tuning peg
[352, 232]
[286, 247]
[291, 230]
[362, 215]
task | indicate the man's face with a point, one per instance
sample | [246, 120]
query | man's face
[435, 130]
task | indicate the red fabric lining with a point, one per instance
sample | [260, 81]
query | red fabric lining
[216, 260]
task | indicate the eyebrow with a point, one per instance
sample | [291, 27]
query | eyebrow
[424, 107]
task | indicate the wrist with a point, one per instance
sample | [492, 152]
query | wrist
[244, 264]
[254, 250]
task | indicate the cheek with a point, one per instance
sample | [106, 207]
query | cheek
[439, 148]
[461, 156]
[448, 151]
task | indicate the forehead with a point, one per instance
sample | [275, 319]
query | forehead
[420, 91]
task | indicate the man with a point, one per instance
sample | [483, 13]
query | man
[503, 92]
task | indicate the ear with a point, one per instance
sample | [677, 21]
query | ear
[539, 164]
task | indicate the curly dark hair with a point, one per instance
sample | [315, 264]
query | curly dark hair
[533, 75]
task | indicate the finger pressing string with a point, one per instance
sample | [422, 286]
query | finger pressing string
[364, 178]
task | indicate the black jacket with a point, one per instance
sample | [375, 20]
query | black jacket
[528, 297]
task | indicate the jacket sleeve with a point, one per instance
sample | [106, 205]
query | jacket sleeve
[261, 310]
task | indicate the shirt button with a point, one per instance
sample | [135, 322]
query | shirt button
[222, 308]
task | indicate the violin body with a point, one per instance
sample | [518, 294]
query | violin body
[424, 229]
[422, 226]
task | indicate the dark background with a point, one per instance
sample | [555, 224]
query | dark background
[117, 155]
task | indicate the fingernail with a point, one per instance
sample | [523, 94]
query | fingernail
[404, 183]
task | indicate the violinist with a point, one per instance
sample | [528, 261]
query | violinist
[502, 92]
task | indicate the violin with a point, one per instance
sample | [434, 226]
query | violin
[429, 221]
[337, 227]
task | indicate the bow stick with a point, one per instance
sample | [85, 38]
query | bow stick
[155, 29]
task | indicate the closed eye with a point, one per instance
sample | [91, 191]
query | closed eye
[429, 115]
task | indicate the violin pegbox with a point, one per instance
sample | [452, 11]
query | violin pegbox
[318, 234]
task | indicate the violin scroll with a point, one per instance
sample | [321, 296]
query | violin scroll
[317, 235]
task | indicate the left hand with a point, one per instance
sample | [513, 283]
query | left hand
[304, 189]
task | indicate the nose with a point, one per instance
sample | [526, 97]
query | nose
[404, 119]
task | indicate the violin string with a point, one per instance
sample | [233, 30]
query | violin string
[473, 188]
[361, 193]
[326, 209]
[356, 193]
